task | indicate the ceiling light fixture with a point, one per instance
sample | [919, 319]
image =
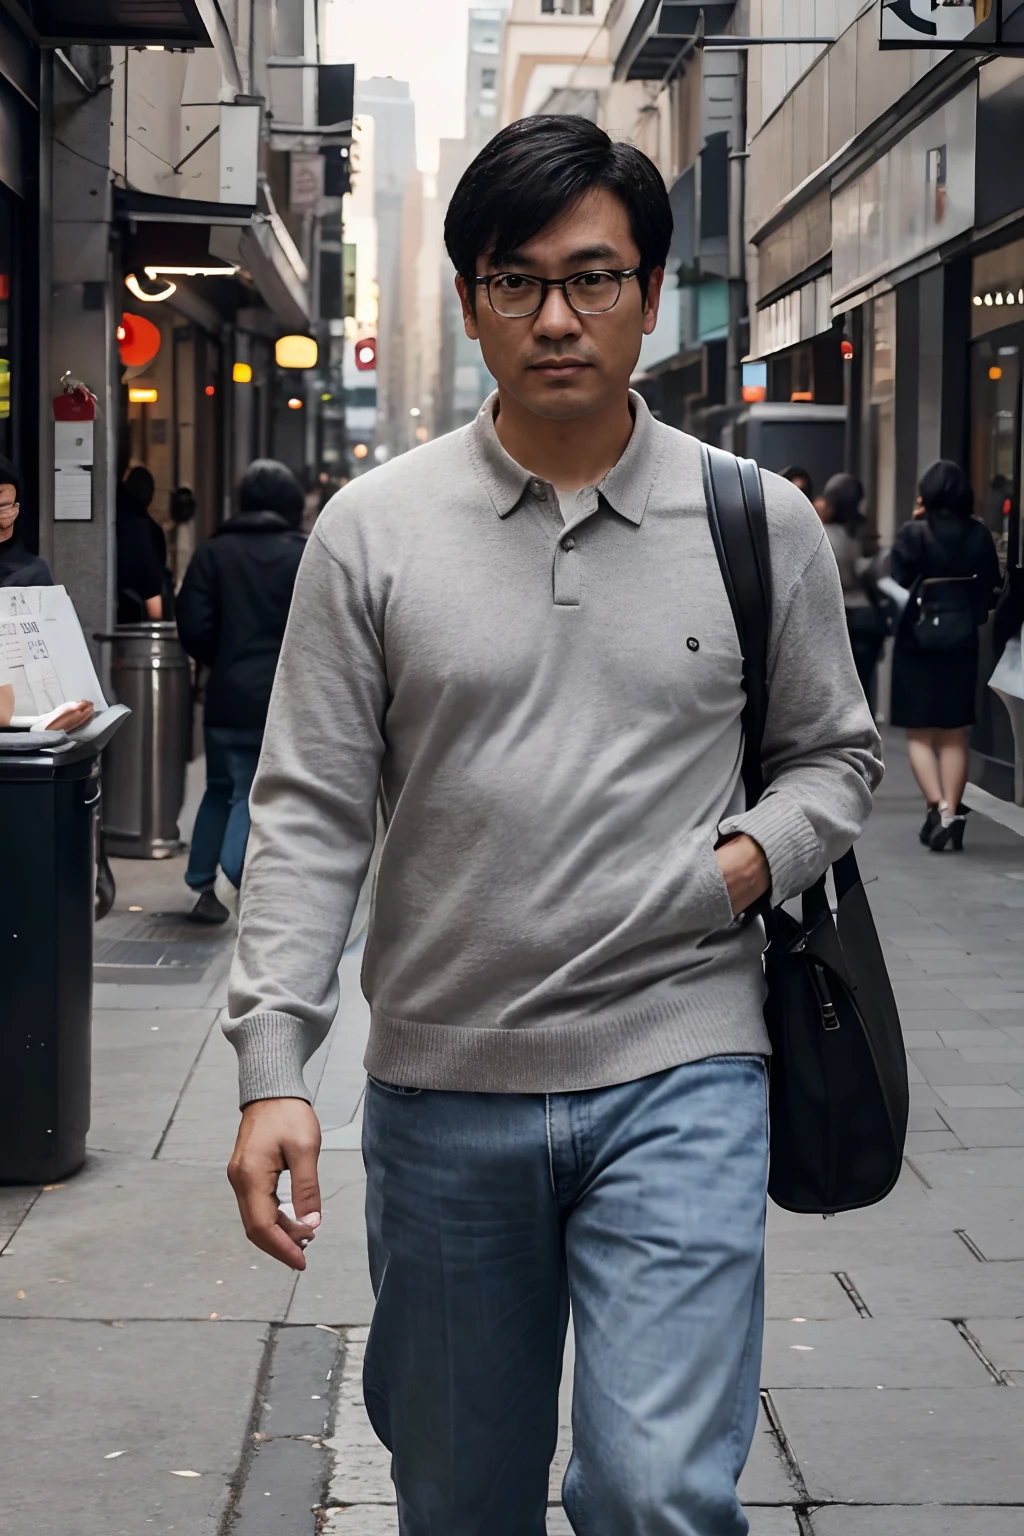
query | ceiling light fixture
[154, 272]
[135, 288]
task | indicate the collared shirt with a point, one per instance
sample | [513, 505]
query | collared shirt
[550, 715]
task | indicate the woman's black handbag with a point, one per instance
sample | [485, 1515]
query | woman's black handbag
[838, 1091]
[944, 614]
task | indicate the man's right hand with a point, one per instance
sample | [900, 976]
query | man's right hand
[276, 1134]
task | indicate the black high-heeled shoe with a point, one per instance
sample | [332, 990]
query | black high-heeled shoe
[931, 822]
[950, 835]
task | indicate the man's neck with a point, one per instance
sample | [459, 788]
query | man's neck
[569, 454]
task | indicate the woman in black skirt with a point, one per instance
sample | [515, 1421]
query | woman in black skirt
[947, 560]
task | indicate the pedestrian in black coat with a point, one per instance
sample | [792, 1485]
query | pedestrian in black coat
[231, 613]
[946, 558]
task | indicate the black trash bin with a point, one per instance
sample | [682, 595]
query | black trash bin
[49, 800]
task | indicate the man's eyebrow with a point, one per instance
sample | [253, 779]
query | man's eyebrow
[577, 259]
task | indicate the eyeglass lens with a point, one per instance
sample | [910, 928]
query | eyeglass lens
[589, 293]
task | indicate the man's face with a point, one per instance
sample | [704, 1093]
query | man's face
[557, 363]
[8, 511]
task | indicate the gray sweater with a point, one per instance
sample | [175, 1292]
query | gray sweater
[551, 717]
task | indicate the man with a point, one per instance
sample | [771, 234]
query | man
[520, 635]
[231, 612]
[798, 476]
[18, 568]
[141, 551]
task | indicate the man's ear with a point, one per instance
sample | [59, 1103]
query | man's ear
[468, 312]
[654, 284]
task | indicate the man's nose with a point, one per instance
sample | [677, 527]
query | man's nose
[556, 317]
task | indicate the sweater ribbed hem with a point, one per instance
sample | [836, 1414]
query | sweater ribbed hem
[789, 842]
[572, 1057]
[272, 1050]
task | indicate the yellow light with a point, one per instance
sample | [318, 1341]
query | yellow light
[295, 404]
[143, 396]
[360, 451]
[131, 282]
[295, 352]
[995, 373]
[422, 435]
[241, 373]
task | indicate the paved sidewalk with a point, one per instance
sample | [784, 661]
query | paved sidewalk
[178, 1381]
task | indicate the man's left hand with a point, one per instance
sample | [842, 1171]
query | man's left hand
[745, 871]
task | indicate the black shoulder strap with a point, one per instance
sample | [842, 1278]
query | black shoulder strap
[739, 528]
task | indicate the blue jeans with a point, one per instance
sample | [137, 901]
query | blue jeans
[222, 821]
[643, 1205]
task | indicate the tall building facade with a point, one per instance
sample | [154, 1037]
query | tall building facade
[387, 102]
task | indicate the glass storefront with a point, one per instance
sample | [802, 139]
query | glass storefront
[997, 348]
[8, 215]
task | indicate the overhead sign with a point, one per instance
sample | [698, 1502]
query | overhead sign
[932, 23]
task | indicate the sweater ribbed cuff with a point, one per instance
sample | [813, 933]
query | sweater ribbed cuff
[789, 842]
[271, 1055]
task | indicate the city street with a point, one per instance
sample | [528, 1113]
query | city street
[161, 1375]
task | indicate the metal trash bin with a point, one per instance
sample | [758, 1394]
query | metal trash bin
[49, 799]
[144, 768]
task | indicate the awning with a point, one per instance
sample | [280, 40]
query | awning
[659, 34]
[57, 23]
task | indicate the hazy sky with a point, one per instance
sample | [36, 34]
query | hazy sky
[422, 41]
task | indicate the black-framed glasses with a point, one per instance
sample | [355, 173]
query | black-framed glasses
[515, 296]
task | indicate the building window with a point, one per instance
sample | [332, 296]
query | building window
[488, 79]
[290, 29]
[567, 7]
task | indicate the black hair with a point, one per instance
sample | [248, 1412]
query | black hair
[9, 476]
[141, 483]
[843, 495]
[795, 472]
[945, 488]
[270, 486]
[540, 167]
[183, 504]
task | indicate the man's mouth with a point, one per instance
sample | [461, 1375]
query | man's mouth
[559, 367]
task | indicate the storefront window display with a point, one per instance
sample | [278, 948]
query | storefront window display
[997, 329]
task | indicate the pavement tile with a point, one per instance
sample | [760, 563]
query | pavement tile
[945, 1066]
[868, 1353]
[169, 1396]
[937, 1446]
[981, 1096]
[136, 1239]
[927, 1520]
[1006, 1055]
[818, 1296]
[335, 1287]
[1002, 1339]
[925, 1118]
[998, 1239]
[141, 1060]
[984, 1290]
[772, 1522]
[973, 1039]
[766, 1477]
[995, 1127]
[921, 1039]
[362, 1466]
[15, 1203]
[206, 1118]
[977, 1172]
[371, 1520]
[836, 1244]
[922, 1097]
[931, 1141]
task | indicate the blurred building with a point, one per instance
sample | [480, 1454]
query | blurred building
[388, 104]
[164, 174]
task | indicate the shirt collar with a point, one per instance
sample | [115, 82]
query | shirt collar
[626, 487]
